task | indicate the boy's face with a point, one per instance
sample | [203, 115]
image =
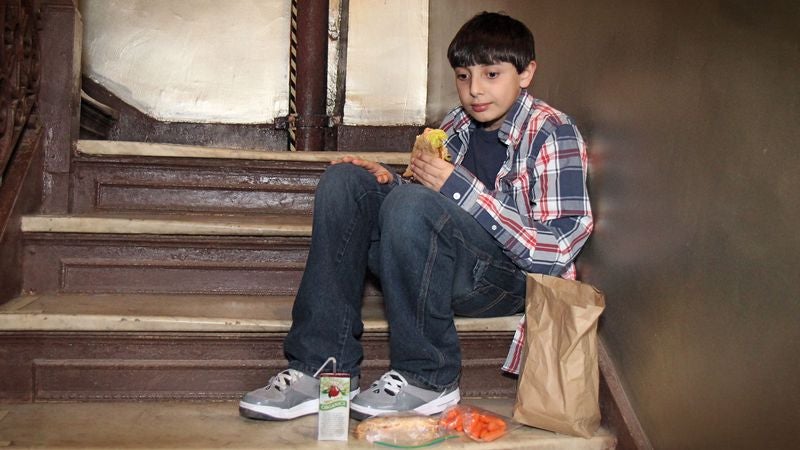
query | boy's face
[487, 92]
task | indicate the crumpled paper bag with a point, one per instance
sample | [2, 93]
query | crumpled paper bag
[558, 385]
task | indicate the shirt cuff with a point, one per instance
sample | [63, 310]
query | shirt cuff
[458, 185]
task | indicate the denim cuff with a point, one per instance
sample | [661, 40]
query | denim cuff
[419, 382]
[310, 370]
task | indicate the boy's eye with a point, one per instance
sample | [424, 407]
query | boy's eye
[492, 74]
[461, 76]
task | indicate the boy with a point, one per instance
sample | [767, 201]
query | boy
[458, 242]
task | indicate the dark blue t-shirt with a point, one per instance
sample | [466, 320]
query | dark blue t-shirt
[485, 155]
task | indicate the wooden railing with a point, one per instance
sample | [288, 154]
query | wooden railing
[19, 74]
[20, 133]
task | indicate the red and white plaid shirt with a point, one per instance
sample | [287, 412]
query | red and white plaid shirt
[539, 208]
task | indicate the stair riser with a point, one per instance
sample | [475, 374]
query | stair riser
[160, 366]
[63, 262]
[143, 184]
[198, 186]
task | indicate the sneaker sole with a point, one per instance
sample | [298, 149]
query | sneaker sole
[261, 412]
[435, 406]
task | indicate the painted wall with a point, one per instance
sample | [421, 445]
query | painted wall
[227, 61]
[692, 111]
[387, 62]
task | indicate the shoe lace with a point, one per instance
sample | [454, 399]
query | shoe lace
[392, 382]
[282, 380]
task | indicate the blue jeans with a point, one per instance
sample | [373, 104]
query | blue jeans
[433, 260]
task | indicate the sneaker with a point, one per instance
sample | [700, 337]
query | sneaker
[288, 395]
[392, 394]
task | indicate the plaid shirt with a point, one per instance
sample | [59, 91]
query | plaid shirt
[539, 208]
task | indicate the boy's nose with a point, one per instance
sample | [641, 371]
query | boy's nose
[475, 87]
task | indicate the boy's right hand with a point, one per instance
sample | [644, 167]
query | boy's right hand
[381, 174]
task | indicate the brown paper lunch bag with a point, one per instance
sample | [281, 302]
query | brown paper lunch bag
[558, 385]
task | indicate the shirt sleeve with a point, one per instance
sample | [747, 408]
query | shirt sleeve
[541, 217]
[397, 179]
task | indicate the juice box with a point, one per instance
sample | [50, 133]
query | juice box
[334, 407]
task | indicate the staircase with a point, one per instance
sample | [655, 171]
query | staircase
[173, 279]
[174, 275]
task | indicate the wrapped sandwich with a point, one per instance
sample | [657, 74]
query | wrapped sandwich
[431, 141]
[399, 430]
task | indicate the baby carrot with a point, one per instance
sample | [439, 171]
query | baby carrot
[492, 435]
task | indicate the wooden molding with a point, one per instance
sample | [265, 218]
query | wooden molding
[617, 411]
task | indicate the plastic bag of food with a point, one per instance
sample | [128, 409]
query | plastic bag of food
[401, 431]
[477, 423]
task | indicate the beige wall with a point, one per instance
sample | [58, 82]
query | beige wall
[387, 62]
[692, 109]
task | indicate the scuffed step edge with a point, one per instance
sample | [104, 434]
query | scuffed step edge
[126, 148]
[39, 321]
[271, 226]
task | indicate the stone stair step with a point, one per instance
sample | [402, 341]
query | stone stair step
[171, 224]
[127, 148]
[186, 313]
[184, 425]
[94, 347]
[165, 253]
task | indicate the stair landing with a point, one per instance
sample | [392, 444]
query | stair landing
[184, 425]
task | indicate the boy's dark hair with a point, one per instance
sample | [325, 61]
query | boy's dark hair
[491, 38]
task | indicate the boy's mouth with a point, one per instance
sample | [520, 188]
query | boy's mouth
[480, 107]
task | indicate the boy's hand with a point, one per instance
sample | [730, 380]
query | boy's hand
[431, 171]
[381, 174]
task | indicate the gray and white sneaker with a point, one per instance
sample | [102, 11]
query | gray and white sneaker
[288, 395]
[392, 394]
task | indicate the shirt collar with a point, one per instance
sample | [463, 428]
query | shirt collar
[513, 125]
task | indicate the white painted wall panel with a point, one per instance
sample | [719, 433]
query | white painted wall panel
[387, 62]
[191, 60]
[227, 61]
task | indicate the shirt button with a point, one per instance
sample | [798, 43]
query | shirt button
[457, 195]
[494, 227]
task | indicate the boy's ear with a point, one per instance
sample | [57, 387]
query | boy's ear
[526, 76]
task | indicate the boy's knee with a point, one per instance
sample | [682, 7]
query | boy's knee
[336, 172]
[340, 176]
[407, 208]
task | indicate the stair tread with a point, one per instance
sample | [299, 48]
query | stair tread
[127, 148]
[175, 425]
[172, 224]
[185, 313]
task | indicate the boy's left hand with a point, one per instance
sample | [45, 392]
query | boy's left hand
[381, 174]
[431, 171]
